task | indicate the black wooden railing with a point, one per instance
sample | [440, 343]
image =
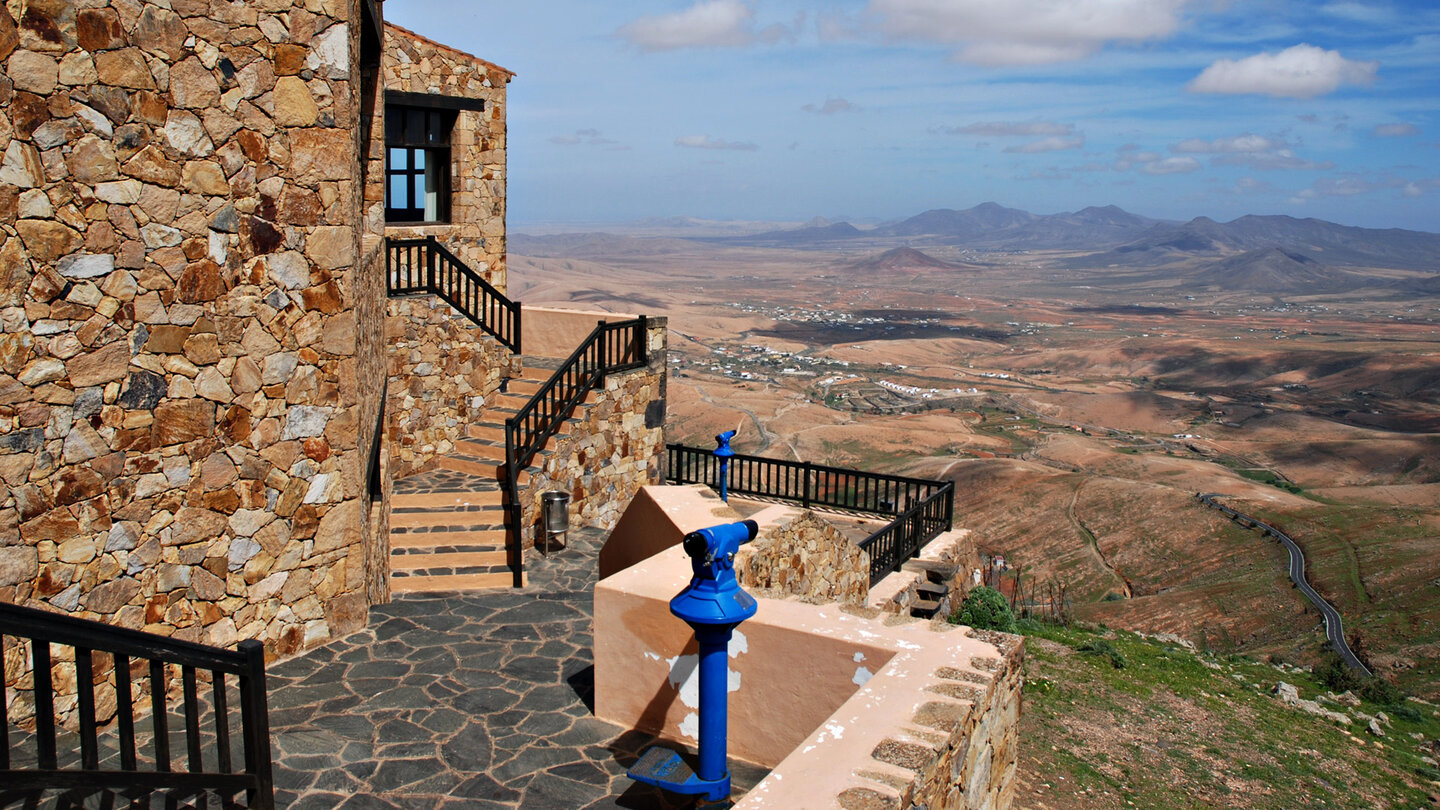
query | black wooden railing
[610, 348]
[131, 652]
[426, 266]
[918, 509]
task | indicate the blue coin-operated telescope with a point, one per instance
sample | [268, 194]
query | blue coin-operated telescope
[713, 605]
[724, 453]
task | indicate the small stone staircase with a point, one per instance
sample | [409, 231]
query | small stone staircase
[448, 524]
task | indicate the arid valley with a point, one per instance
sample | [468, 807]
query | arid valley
[1079, 411]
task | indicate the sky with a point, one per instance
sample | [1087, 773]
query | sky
[875, 110]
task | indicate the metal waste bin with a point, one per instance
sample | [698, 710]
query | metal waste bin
[555, 510]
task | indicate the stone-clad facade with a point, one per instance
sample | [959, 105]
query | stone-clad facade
[182, 407]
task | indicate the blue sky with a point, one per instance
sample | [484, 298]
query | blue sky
[880, 109]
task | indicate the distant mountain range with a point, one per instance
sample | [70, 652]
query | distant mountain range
[1264, 254]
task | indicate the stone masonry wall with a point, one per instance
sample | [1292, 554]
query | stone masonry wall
[958, 752]
[617, 449]
[442, 372]
[476, 231]
[181, 367]
[805, 557]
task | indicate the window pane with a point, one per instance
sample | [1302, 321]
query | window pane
[414, 126]
[419, 157]
[436, 131]
[399, 196]
[399, 159]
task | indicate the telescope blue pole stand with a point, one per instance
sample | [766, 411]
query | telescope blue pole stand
[713, 604]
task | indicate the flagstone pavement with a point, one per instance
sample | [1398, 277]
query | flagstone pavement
[477, 700]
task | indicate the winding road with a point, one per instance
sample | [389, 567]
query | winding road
[1334, 631]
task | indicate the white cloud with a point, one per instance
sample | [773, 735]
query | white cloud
[707, 24]
[707, 142]
[831, 106]
[1395, 130]
[1027, 32]
[590, 137]
[1302, 71]
[1254, 151]
[1054, 143]
[1006, 128]
[1174, 165]
[1351, 185]
[1239, 143]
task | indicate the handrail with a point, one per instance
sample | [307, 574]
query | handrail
[610, 348]
[919, 509]
[51, 772]
[427, 266]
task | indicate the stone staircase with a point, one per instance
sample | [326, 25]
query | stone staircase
[447, 525]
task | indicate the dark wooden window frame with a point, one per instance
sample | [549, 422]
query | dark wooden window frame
[418, 128]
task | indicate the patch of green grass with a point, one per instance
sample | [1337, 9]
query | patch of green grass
[1177, 729]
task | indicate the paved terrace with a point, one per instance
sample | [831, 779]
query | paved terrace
[480, 700]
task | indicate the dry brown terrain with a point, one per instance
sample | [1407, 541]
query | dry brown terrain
[1078, 413]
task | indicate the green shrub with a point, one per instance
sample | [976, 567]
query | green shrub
[1406, 712]
[1114, 597]
[1378, 690]
[1336, 674]
[985, 609]
[1102, 647]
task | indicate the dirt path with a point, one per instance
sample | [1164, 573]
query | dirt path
[766, 437]
[1093, 542]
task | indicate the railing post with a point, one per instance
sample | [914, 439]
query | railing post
[518, 331]
[430, 258]
[642, 338]
[808, 472]
[255, 723]
[602, 353]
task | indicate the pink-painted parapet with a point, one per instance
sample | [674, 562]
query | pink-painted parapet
[550, 332]
[821, 695]
[657, 518]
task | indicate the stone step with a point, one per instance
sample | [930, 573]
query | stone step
[476, 466]
[418, 542]
[490, 496]
[488, 515]
[924, 608]
[458, 559]
[451, 583]
[480, 450]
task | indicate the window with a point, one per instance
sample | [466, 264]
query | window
[417, 164]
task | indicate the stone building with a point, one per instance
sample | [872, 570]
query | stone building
[206, 391]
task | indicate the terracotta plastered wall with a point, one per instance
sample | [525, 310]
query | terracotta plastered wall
[616, 449]
[185, 353]
[443, 370]
[476, 231]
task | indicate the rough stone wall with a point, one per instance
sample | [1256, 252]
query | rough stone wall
[476, 231]
[182, 374]
[805, 557]
[958, 751]
[442, 372]
[615, 450]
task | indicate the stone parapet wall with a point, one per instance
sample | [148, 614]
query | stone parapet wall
[442, 371]
[798, 553]
[476, 230]
[617, 447]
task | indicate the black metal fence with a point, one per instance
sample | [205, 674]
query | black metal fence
[426, 266]
[133, 653]
[918, 509]
[610, 348]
